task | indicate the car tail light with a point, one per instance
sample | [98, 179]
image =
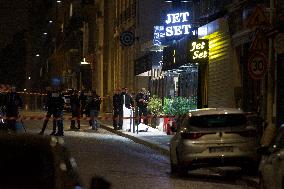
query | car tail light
[191, 135]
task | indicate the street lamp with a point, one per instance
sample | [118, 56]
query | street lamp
[82, 63]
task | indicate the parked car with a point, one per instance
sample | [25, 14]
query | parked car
[271, 168]
[213, 137]
[31, 161]
[37, 162]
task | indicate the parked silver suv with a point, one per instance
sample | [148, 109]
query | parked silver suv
[213, 137]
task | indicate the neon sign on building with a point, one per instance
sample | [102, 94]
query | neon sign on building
[159, 35]
[177, 24]
[198, 51]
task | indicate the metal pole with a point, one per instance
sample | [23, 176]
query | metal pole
[271, 128]
[80, 84]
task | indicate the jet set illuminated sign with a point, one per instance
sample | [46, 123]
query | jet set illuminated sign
[177, 24]
[198, 51]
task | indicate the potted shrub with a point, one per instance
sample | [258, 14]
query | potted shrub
[155, 108]
[176, 106]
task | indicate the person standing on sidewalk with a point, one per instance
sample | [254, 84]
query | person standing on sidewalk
[127, 101]
[50, 112]
[58, 100]
[93, 105]
[117, 110]
[75, 109]
[83, 102]
[142, 99]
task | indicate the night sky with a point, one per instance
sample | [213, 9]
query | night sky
[13, 19]
[21, 25]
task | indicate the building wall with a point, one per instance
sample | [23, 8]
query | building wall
[124, 20]
[221, 65]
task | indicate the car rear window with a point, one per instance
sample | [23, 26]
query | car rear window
[224, 120]
[26, 166]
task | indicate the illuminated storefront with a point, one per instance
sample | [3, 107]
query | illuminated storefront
[191, 70]
[182, 53]
[183, 64]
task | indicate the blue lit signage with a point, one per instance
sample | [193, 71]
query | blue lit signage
[159, 35]
[176, 26]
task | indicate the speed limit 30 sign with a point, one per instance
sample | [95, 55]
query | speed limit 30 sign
[257, 65]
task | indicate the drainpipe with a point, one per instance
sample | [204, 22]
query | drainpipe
[270, 130]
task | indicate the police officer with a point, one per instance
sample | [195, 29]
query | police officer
[142, 99]
[13, 103]
[117, 109]
[58, 102]
[75, 109]
[83, 102]
[50, 112]
[126, 99]
[93, 104]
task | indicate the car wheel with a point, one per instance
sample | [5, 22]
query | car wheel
[174, 168]
[179, 169]
[183, 171]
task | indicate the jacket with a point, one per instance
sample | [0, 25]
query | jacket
[94, 102]
[127, 100]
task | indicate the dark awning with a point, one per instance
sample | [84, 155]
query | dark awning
[147, 62]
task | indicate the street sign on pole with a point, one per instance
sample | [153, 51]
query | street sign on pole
[257, 65]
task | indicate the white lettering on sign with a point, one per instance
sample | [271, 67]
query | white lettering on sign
[199, 50]
[177, 18]
[178, 30]
[174, 24]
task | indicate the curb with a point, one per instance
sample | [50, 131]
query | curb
[153, 145]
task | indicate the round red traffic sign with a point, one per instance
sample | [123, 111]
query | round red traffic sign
[257, 65]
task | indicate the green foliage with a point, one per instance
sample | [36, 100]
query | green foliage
[155, 106]
[178, 105]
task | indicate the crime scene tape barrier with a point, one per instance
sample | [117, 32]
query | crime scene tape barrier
[110, 117]
[5, 89]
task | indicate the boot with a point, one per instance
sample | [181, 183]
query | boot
[78, 127]
[72, 126]
[43, 127]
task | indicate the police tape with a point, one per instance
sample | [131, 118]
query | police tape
[4, 88]
[69, 118]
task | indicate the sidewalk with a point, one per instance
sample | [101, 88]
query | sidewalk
[153, 138]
